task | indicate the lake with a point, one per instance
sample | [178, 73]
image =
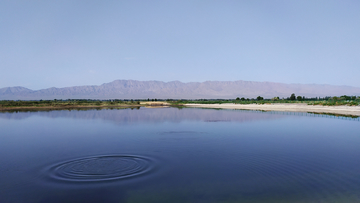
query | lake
[178, 155]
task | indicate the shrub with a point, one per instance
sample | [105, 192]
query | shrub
[292, 97]
[344, 97]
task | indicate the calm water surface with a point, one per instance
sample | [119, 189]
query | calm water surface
[178, 155]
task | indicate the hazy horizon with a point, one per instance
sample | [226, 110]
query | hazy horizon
[130, 89]
[180, 82]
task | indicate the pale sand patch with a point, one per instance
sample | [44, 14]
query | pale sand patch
[155, 103]
[343, 110]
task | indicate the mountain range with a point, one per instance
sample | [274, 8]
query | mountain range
[133, 89]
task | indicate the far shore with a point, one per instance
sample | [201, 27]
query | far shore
[288, 107]
[65, 107]
[74, 106]
[341, 110]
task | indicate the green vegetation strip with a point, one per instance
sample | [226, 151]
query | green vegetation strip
[74, 103]
[326, 101]
[65, 103]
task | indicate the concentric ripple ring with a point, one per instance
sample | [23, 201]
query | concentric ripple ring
[101, 168]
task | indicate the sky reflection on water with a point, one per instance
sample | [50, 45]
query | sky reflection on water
[197, 155]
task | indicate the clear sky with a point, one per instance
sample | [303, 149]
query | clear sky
[66, 43]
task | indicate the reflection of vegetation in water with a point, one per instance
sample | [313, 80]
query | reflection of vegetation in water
[282, 112]
[302, 113]
[335, 115]
[178, 106]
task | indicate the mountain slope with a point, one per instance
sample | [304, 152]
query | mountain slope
[132, 89]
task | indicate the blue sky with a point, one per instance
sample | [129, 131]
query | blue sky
[66, 43]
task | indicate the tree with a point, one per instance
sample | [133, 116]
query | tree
[344, 97]
[299, 98]
[292, 97]
[237, 98]
[242, 98]
[259, 98]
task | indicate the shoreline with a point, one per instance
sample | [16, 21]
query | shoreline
[341, 110]
[71, 106]
[65, 107]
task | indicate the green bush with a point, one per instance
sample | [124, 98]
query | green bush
[292, 97]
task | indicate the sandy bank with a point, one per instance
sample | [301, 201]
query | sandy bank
[343, 110]
[155, 103]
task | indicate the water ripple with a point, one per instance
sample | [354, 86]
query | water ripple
[100, 168]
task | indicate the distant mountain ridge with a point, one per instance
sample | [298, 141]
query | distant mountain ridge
[133, 89]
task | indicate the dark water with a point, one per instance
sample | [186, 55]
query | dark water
[178, 155]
